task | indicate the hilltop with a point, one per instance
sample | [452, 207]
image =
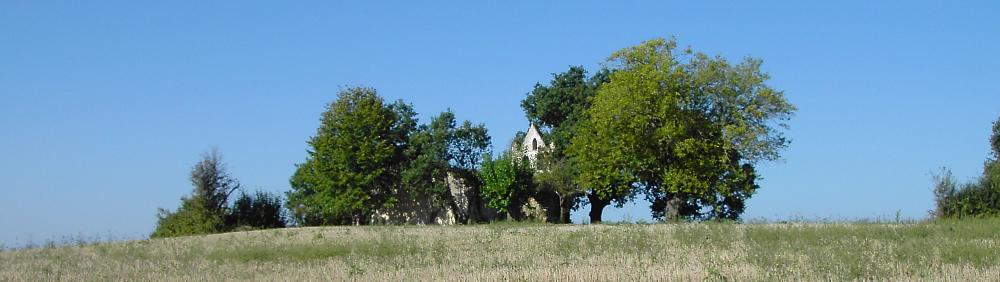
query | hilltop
[947, 250]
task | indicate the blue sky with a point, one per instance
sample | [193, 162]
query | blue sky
[104, 107]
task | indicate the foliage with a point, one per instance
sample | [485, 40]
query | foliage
[559, 175]
[507, 182]
[428, 158]
[683, 127]
[441, 148]
[978, 198]
[995, 140]
[354, 162]
[260, 210]
[368, 155]
[557, 108]
[973, 199]
[468, 145]
[212, 183]
[945, 187]
[203, 211]
[191, 218]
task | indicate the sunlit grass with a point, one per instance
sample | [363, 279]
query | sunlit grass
[943, 250]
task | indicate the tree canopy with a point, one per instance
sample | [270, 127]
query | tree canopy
[684, 127]
[558, 108]
[368, 155]
[354, 161]
[439, 149]
[507, 182]
[206, 210]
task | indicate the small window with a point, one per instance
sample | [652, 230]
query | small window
[534, 144]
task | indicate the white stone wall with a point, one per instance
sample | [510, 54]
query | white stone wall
[424, 210]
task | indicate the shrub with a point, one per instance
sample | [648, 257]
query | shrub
[979, 198]
[260, 210]
[192, 218]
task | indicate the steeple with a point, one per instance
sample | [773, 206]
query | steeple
[533, 143]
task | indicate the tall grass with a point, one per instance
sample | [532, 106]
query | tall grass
[941, 250]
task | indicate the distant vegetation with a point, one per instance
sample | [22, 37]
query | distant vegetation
[369, 155]
[974, 199]
[207, 211]
[680, 128]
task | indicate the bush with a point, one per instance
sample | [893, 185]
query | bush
[192, 218]
[206, 210]
[979, 198]
[261, 210]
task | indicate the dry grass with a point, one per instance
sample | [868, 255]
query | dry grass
[951, 250]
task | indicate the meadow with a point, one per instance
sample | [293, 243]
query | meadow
[956, 250]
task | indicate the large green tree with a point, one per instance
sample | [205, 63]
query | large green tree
[355, 160]
[557, 108]
[684, 127]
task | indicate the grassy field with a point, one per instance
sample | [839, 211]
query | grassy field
[948, 250]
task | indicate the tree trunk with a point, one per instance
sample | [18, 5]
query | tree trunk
[514, 211]
[596, 207]
[672, 210]
[565, 206]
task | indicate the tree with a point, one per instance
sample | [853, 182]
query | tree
[684, 127]
[354, 162]
[191, 218]
[468, 145]
[507, 183]
[212, 183]
[557, 108]
[601, 162]
[260, 210]
[995, 140]
[428, 158]
[559, 175]
[203, 211]
[439, 149]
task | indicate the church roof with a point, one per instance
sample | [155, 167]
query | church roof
[533, 128]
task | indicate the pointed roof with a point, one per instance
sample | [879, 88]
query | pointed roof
[533, 133]
[533, 129]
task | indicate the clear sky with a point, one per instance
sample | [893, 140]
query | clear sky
[105, 106]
